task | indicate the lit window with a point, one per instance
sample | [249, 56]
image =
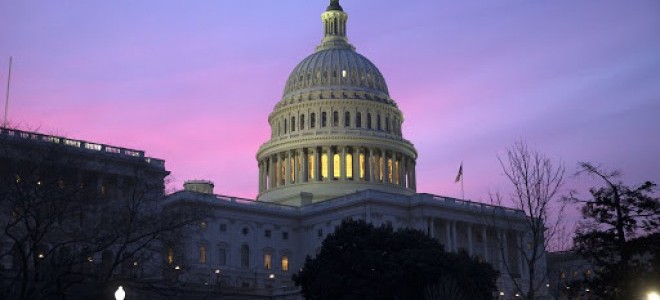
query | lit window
[349, 166]
[202, 254]
[292, 163]
[336, 167]
[285, 263]
[324, 166]
[362, 166]
[267, 261]
[389, 170]
[170, 256]
[310, 166]
[396, 172]
[344, 73]
[282, 173]
[380, 168]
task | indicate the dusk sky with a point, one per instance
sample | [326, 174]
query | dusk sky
[193, 82]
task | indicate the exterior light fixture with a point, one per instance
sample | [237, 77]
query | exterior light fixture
[177, 267]
[120, 294]
[217, 271]
[547, 285]
[587, 290]
[90, 259]
[271, 276]
[517, 295]
[652, 296]
[501, 293]
[135, 263]
[40, 255]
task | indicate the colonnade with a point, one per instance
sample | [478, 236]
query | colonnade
[499, 246]
[336, 163]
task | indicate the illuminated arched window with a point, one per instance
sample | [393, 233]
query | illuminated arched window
[310, 166]
[324, 166]
[336, 166]
[312, 120]
[358, 120]
[335, 118]
[245, 256]
[349, 166]
[347, 119]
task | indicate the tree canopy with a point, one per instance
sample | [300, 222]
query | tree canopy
[620, 236]
[360, 261]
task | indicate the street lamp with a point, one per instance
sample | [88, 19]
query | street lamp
[120, 294]
[652, 296]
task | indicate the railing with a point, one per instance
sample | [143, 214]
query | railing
[79, 144]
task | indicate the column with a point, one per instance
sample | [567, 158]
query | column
[299, 165]
[469, 239]
[402, 179]
[305, 165]
[484, 235]
[287, 167]
[342, 159]
[356, 163]
[448, 233]
[386, 169]
[331, 163]
[371, 165]
[261, 170]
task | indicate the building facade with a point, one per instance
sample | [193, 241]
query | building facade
[336, 151]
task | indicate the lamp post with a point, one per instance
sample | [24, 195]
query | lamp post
[120, 294]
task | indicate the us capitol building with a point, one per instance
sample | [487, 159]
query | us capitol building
[336, 151]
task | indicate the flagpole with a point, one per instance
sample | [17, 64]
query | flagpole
[462, 175]
[7, 95]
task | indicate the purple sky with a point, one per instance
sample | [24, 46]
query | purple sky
[193, 82]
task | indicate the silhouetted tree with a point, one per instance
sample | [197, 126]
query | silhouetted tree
[360, 261]
[536, 181]
[620, 236]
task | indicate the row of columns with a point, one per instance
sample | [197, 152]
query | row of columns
[499, 242]
[368, 164]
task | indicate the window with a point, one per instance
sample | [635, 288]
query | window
[368, 121]
[285, 126]
[358, 120]
[336, 167]
[319, 233]
[245, 256]
[347, 119]
[387, 124]
[222, 256]
[245, 231]
[223, 227]
[344, 73]
[335, 119]
[203, 225]
[324, 166]
[170, 256]
[349, 165]
[293, 124]
[285, 235]
[377, 123]
[267, 233]
[285, 263]
[310, 166]
[324, 119]
[267, 261]
[202, 254]
[302, 122]
[312, 120]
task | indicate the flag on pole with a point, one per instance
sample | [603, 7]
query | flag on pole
[460, 173]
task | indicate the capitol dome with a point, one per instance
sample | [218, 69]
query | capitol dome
[336, 130]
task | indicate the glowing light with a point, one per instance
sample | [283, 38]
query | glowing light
[217, 271]
[501, 293]
[40, 255]
[271, 276]
[90, 259]
[177, 268]
[120, 294]
[652, 296]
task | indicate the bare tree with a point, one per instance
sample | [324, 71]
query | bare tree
[536, 182]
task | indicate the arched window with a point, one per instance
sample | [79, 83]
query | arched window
[335, 118]
[302, 122]
[285, 122]
[387, 124]
[347, 119]
[312, 120]
[324, 119]
[293, 124]
[245, 256]
[377, 123]
[368, 120]
[358, 120]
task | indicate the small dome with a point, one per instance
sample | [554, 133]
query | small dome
[336, 68]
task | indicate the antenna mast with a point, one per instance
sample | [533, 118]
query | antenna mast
[7, 95]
